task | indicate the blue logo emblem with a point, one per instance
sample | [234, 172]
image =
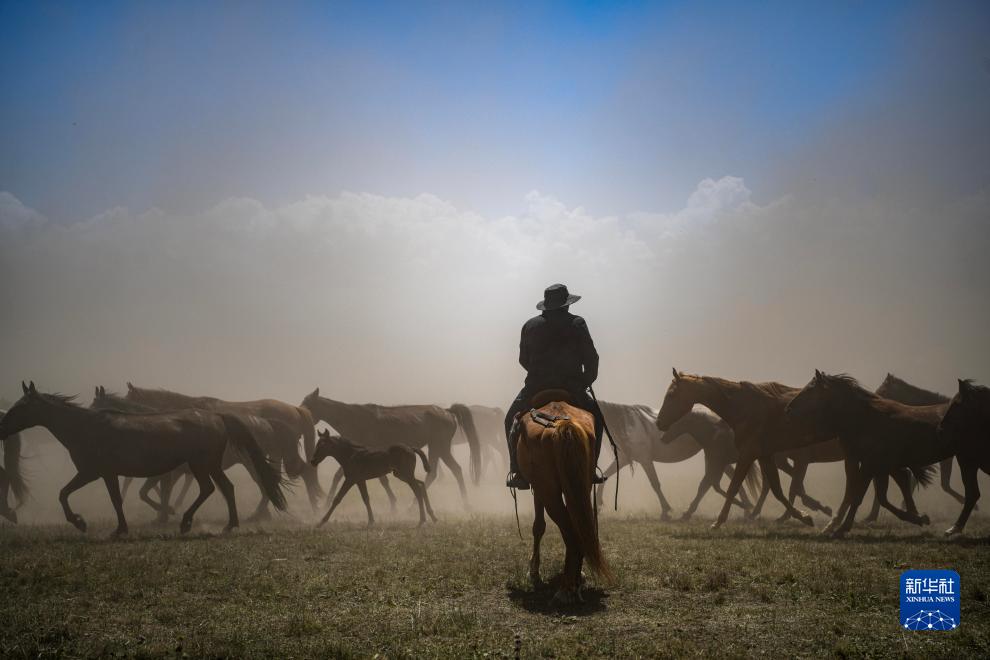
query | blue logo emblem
[930, 600]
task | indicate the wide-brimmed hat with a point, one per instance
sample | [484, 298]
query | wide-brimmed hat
[556, 296]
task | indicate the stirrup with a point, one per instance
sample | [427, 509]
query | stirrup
[599, 477]
[517, 481]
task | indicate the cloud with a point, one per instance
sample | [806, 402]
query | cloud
[14, 216]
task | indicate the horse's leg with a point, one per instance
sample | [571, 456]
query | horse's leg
[337, 476]
[874, 513]
[769, 467]
[226, 488]
[864, 477]
[703, 487]
[410, 479]
[113, 488]
[127, 485]
[167, 482]
[969, 471]
[716, 483]
[757, 509]
[336, 500]
[145, 494]
[451, 462]
[539, 527]
[880, 483]
[388, 491]
[742, 467]
[426, 499]
[568, 584]
[851, 468]
[74, 484]
[5, 510]
[186, 484]
[261, 512]
[363, 488]
[206, 488]
[651, 474]
[905, 481]
[798, 472]
[945, 472]
[434, 463]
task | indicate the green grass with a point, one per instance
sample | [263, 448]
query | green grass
[459, 589]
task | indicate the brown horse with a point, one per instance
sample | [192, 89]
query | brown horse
[755, 411]
[108, 444]
[372, 425]
[877, 434]
[966, 427]
[278, 441]
[555, 450]
[897, 389]
[11, 479]
[361, 463]
[295, 417]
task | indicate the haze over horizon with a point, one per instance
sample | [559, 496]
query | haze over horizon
[248, 201]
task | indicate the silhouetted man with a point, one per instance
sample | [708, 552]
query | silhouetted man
[557, 352]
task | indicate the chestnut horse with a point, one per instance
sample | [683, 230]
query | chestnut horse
[556, 451]
[755, 411]
[966, 427]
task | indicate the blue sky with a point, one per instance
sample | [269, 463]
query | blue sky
[617, 106]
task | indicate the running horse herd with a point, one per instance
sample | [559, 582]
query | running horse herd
[899, 431]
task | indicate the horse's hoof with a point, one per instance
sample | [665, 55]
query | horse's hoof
[716, 524]
[229, 528]
[78, 522]
[119, 532]
[925, 520]
[827, 511]
[686, 517]
[185, 526]
[665, 516]
[953, 531]
[807, 520]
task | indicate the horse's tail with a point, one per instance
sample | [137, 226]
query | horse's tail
[422, 456]
[924, 474]
[466, 421]
[12, 465]
[573, 457]
[308, 432]
[754, 481]
[240, 436]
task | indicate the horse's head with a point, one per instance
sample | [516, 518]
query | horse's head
[888, 388]
[327, 445]
[682, 394]
[24, 413]
[970, 404]
[310, 400]
[822, 398]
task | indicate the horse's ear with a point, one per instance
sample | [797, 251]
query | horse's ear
[32, 388]
[818, 376]
[24, 387]
[103, 391]
[96, 390]
[964, 386]
[677, 376]
[130, 385]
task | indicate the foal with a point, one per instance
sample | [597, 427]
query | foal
[362, 463]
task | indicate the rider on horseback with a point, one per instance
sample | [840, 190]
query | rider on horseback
[557, 352]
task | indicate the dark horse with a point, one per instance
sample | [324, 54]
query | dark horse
[279, 442]
[295, 417]
[895, 389]
[372, 425]
[755, 411]
[362, 463]
[877, 434]
[108, 444]
[966, 427]
[640, 441]
[11, 479]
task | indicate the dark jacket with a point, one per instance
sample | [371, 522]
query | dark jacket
[556, 350]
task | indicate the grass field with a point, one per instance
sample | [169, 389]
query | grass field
[459, 589]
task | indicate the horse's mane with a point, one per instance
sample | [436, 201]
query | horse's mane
[772, 388]
[850, 384]
[62, 399]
